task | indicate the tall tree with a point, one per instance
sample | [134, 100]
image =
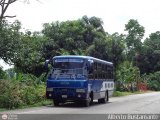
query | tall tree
[29, 56]
[153, 42]
[72, 37]
[9, 39]
[149, 60]
[93, 28]
[134, 37]
[98, 49]
[116, 48]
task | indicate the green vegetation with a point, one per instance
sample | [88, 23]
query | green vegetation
[127, 74]
[119, 93]
[24, 85]
[16, 93]
[153, 80]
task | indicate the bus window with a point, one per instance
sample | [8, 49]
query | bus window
[95, 66]
[111, 85]
[108, 85]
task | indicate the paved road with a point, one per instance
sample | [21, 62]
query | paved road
[133, 104]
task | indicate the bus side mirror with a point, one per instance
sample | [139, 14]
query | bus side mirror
[46, 65]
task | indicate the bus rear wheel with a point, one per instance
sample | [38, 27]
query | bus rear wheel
[105, 99]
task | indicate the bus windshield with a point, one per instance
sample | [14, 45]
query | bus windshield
[69, 66]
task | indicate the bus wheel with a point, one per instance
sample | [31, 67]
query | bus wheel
[56, 102]
[105, 99]
[88, 102]
[91, 98]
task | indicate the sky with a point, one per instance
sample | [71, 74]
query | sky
[114, 13]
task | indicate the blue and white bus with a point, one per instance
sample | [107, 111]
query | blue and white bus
[79, 79]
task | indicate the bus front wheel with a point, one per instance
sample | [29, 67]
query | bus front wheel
[86, 103]
[89, 101]
[56, 102]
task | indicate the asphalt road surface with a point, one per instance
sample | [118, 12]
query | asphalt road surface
[148, 103]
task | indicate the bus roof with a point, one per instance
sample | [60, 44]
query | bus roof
[84, 57]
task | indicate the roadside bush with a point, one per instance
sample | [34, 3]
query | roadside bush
[127, 76]
[10, 96]
[32, 94]
[14, 94]
[153, 80]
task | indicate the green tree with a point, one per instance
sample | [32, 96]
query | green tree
[29, 56]
[64, 37]
[153, 42]
[9, 38]
[72, 37]
[133, 38]
[115, 48]
[149, 60]
[98, 49]
[93, 29]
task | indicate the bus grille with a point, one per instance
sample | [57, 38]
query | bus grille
[66, 91]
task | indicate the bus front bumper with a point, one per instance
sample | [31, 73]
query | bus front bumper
[67, 96]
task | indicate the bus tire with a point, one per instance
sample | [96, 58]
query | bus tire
[56, 102]
[91, 98]
[86, 103]
[105, 99]
[89, 101]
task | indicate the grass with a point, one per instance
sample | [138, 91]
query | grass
[119, 93]
[42, 103]
[3, 109]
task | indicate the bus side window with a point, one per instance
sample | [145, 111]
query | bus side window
[103, 75]
[95, 66]
[106, 75]
[111, 85]
[108, 85]
[99, 76]
[95, 75]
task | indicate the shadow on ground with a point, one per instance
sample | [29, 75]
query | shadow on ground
[76, 105]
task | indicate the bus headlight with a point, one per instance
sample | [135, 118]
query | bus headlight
[49, 89]
[80, 90]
